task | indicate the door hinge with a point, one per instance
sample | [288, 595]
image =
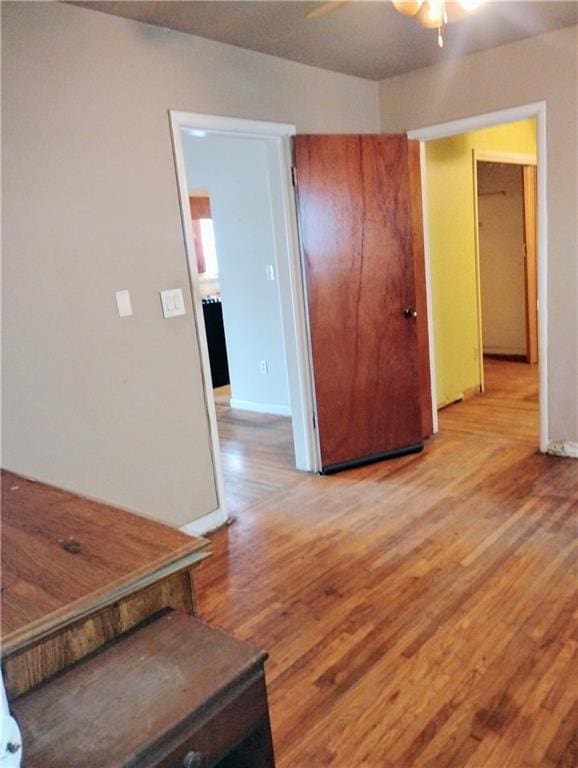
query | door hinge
[293, 175]
[314, 422]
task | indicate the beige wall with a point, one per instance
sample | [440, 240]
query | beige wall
[540, 68]
[108, 407]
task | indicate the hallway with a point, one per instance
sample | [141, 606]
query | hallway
[508, 407]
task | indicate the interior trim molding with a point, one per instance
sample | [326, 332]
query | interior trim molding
[206, 523]
[248, 405]
[228, 125]
[563, 448]
[475, 122]
[512, 158]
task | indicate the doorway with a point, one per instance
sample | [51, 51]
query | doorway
[209, 278]
[506, 227]
[466, 295]
[239, 224]
[506, 239]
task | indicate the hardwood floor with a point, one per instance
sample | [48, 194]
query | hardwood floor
[509, 406]
[222, 395]
[419, 612]
[257, 456]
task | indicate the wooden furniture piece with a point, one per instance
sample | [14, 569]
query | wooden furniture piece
[77, 573]
[175, 693]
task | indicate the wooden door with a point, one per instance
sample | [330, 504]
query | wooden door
[530, 265]
[357, 238]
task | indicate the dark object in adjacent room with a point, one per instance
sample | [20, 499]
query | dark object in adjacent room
[213, 312]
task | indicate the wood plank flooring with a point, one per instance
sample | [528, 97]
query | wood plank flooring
[257, 456]
[420, 612]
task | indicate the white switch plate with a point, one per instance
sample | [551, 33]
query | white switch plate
[172, 302]
[270, 272]
[123, 303]
[264, 366]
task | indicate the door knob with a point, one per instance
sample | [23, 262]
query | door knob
[409, 312]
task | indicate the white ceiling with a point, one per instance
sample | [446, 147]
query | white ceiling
[368, 39]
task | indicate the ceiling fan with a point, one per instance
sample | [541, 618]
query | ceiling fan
[432, 14]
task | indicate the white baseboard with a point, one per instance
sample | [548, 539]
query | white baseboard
[206, 523]
[563, 448]
[248, 405]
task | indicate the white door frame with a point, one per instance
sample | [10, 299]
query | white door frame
[290, 285]
[464, 125]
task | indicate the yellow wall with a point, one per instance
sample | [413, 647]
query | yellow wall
[451, 220]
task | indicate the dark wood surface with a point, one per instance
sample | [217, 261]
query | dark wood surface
[64, 556]
[356, 230]
[172, 687]
[419, 612]
[41, 658]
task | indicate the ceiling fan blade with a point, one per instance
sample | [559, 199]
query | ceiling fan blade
[325, 8]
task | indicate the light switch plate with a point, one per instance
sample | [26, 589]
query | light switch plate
[123, 303]
[173, 302]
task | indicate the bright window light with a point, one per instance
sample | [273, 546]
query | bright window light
[209, 250]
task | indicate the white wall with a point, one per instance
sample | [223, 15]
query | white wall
[535, 69]
[235, 171]
[502, 274]
[108, 407]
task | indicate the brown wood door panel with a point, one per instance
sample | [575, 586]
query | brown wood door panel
[355, 219]
[420, 288]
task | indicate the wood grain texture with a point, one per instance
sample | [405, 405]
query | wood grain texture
[172, 686]
[530, 262]
[64, 556]
[200, 208]
[420, 287]
[40, 660]
[257, 456]
[356, 234]
[420, 612]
